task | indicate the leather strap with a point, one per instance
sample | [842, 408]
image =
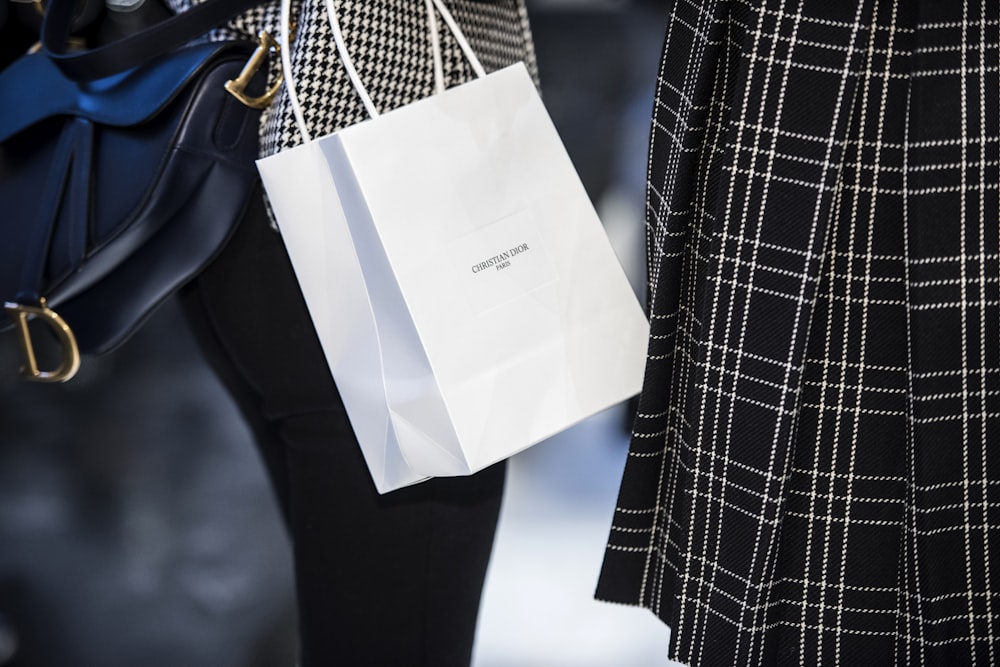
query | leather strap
[135, 49]
[60, 177]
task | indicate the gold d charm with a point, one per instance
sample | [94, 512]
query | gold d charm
[70, 363]
[237, 87]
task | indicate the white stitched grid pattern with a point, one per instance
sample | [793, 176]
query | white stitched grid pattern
[814, 476]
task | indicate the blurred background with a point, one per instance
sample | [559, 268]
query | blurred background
[136, 523]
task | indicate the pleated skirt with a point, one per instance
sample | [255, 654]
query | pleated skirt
[814, 477]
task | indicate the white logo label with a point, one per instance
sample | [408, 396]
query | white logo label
[502, 261]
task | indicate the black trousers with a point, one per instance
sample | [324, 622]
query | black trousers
[382, 580]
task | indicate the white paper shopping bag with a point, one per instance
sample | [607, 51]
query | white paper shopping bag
[464, 290]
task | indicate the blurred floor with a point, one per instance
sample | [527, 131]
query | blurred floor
[538, 607]
[136, 524]
[136, 527]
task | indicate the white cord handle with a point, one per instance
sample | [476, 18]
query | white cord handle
[352, 73]
[435, 48]
[463, 43]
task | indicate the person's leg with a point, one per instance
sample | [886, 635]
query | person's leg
[382, 580]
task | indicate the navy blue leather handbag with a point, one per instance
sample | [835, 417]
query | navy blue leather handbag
[123, 172]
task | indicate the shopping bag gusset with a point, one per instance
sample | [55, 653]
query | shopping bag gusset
[465, 293]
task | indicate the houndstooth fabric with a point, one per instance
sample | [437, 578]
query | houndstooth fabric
[814, 477]
[390, 43]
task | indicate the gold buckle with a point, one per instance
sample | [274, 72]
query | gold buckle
[237, 87]
[70, 363]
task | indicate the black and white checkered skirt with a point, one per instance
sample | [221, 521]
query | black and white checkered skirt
[814, 477]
